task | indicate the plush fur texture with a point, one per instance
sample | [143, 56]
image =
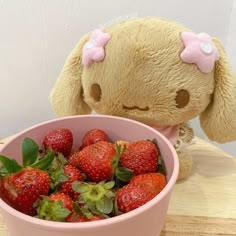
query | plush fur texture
[143, 78]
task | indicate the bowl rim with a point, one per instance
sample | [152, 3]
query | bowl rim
[100, 223]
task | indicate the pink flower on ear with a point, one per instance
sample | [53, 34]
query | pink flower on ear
[94, 49]
[199, 50]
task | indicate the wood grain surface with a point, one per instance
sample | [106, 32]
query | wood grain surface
[177, 225]
[205, 203]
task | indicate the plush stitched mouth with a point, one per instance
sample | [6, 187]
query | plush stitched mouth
[136, 108]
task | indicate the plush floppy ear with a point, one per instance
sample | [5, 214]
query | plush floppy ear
[219, 119]
[66, 96]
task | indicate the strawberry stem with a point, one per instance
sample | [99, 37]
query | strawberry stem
[57, 177]
[97, 197]
[51, 210]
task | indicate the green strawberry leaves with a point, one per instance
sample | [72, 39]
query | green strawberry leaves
[51, 210]
[57, 177]
[108, 185]
[44, 163]
[81, 211]
[30, 151]
[105, 205]
[124, 174]
[30, 157]
[80, 187]
[98, 198]
[160, 165]
[161, 168]
[58, 163]
[9, 166]
[3, 171]
[56, 172]
[120, 173]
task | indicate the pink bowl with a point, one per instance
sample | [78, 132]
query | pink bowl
[147, 220]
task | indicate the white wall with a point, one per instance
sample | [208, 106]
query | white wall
[37, 36]
[231, 50]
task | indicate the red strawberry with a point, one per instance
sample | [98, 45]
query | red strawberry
[76, 196]
[134, 195]
[81, 218]
[141, 157]
[74, 174]
[73, 158]
[55, 207]
[156, 180]
[96, 161]
[66, 200]
[23, 188]
[59, 140]
[94, 136]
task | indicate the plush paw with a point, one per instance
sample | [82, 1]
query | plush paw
[185, 165]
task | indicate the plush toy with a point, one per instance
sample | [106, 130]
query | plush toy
[155, 71]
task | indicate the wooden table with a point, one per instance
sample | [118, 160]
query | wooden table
[205, 203]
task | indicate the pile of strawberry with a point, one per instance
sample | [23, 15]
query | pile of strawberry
[98, 180]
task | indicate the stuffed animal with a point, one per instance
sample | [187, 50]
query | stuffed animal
[154, 71]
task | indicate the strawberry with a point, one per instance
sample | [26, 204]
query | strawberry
[21, 186]
[96, 161]
[74, 174]
[55, 207]
[156, 180]
[76, 195]
[141, 157]
[94, 136]
[80, 218]
[91, 158]
[73, 158]
[22, 189]
[66, 200]
[59, 140]
[134, 195]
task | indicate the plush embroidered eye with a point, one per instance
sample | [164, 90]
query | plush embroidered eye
[182, 98]
[96, 92]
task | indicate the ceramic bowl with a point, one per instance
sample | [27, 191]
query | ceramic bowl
[147, 220]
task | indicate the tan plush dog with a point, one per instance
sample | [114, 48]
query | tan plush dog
[154, 71]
